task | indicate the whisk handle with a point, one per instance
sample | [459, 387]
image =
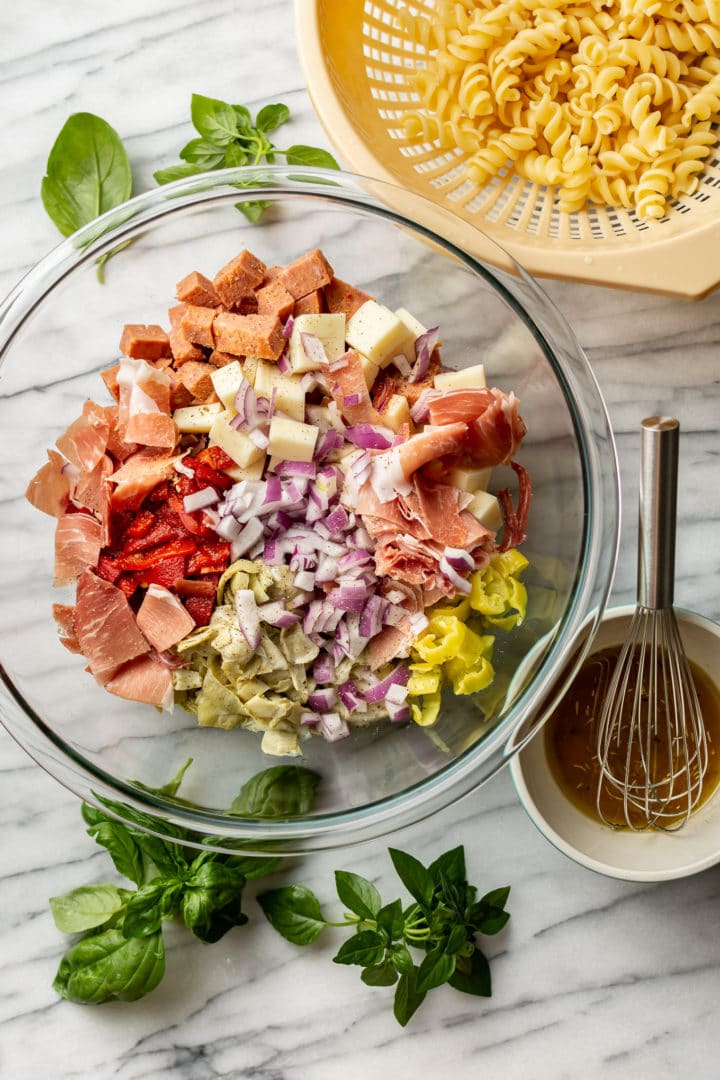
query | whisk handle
[658, 511]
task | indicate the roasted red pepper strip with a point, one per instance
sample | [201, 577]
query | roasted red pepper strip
[210, 558]
[215, 458]
[206, 586]
[144, 560]
[141, 525]
[201, 608]
[167, 573]
[206, 475]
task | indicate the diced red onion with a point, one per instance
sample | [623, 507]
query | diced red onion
[277, 614]
[420, 410]
[198, 500]
[369, 436]
[248, 617]
[459, 559]
[323, 700]
[314, 349]
[283, 362]
[288, 327]
[332, 727]
[424, 347]
[246, 407]
[305, 580]
[324, 669]
[349, 400]
[332, 440]
[351, 697]
[396, 694]
[309, 719]
[377, 693]
[339, 364]
[455, 579]
[402, 364]
[360, 467]
[397, 713]
[228, 528]
[371, 620]
[297, 468]
[337, 521]
[252, 532]
[418, 622]
[259, 438]
[179, 467]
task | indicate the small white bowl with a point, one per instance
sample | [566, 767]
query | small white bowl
[645, 856]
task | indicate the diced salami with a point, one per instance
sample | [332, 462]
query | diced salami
[302, 276]
[197, 325]
[274, 299]
[238, 278]
[196, 378]
[195, 288]
[312, 304]
[181, 346]
[249, 335]
[345, 299]
[144, 342]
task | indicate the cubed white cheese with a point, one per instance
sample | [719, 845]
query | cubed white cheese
[197, 419]
[415, 328]
[377, 333]
[253, 471]
[235, 443]
[226, 381]
[289, 396]
[330, 329]
[470, 479]
[469, 379]
[290, 440]
[396, 412]
[486, 509]
[369, 370]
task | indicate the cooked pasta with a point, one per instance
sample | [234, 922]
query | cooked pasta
[604, 101]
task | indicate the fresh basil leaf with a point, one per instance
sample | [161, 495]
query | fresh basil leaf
[416, 879]
[451, 865]
[235, 156]
[496, 898]
[358, 894]
[390, 920]
[171, 788]
[215, 875]
[207, 921]
[407, 997]
[109, 967]
[488, 915]
[310, 155]
[119, 842]
[87, 172]
[472, 976]
[215, 120]
[436, 968]
[254, 210]
[202, 152]
[149, 906]
[253, 866]
[177, 172]
[402, 959]
[87, 907]
[365, 948]
[457, 939]
[271, 117]
[282, 791]
[380, 974]
[295, 913]
[244, 119]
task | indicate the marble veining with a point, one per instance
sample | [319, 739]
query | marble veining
[593, 978]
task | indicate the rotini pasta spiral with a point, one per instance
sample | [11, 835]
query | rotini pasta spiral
[609, 101]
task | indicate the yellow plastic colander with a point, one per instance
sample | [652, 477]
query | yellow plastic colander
[355, 54]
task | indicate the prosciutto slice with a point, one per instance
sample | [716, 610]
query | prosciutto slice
[105, 626]
[144, 404]
[347, 385]
[163, 619]
[64, 615]
[78, 539]
[49, 489]
[85, 441]
[138, 475]
[145, 679]
[495, 428]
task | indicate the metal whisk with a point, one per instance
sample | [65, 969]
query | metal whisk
[651, 744]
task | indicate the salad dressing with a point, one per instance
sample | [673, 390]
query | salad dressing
[571, 735]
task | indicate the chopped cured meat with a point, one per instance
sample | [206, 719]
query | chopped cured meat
[144, 407]
[181, 346]
[344, 299]
[495, 427]
[138, 475]
[162, 618]
[49, 488]
[105, 626]
[144, 342]
[350, 392]
[429, 445]
[238, 278]
[197, 325]
[302, 276]
[116, 445]
[109, 377]
[249, 335]
[312, 304]
[144, 679]
[197, 379]
[78, 539]
[64, 615]
[274, 299]
[196, 289]
[391, 643]
[515, 521]
[92, 491]
[390, 382]
[85, 441]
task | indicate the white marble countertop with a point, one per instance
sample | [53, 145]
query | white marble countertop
[593, 977]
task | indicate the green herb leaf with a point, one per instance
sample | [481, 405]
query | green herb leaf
[358, 894]
[472, 976]
[402, 959]
[488, 915]
[252, 866]
[451, 866]
[110, 967]
[416, 879]
[390, 920]
[244, 119]
[149, 906]
[364, 948]
[171, 788]
[271, 117]
[212, 900]
[497, 898]
[457, 939]
[437, 967]
[87, 172]
[234, 157]
[295, 913]
[379, 974]
[215, 120]
[87, 907]
[310, 155]
[204, 153]
[177, 172]
[407, 997]
[253, 211]
[118, 841]
[282, 791]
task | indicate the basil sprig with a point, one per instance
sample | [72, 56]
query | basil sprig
[442, 921]
[229, 139]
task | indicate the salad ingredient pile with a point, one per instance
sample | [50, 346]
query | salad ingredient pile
[282, 521]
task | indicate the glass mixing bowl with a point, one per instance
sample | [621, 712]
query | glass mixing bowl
[60, 327]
